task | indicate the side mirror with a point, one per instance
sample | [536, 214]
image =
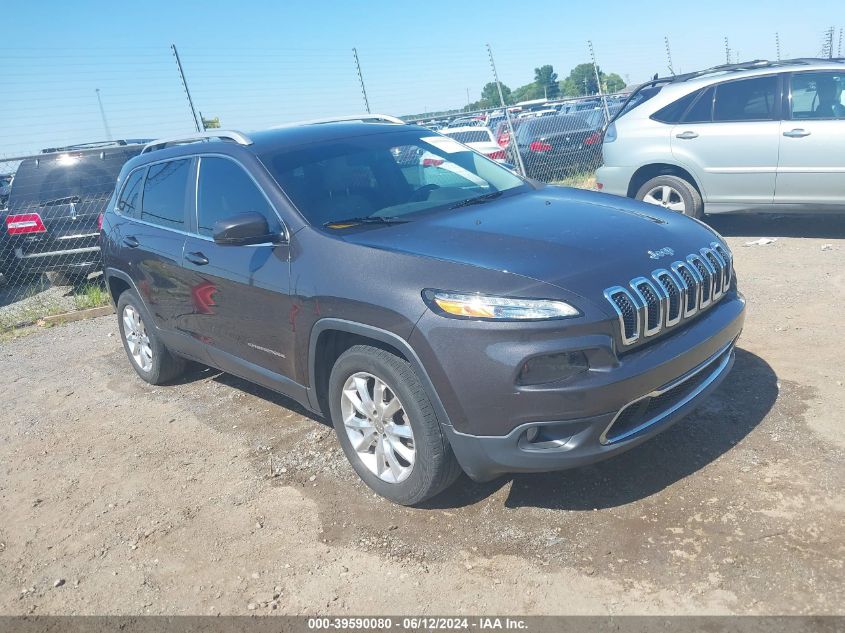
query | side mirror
[244, 229]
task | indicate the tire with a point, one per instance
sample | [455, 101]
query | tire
[434, 467]
[680, 190]
[162, 366]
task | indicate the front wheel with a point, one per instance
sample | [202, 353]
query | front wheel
[672, 193]
[387, 427]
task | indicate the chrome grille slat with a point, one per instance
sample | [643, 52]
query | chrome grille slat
[648, 306]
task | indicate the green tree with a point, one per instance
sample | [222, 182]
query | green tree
[490, 97]
[210, 124]
[546, 79]
[582, 81]
[527, 92]
[613, 83]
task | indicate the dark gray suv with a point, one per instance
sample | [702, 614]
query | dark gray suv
[443, 312]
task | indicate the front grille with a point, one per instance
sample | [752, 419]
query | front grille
[648, 306]
[647, 411]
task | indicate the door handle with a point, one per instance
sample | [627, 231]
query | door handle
[131, 241]
[687, 135]
[797, 133]
[197, 258]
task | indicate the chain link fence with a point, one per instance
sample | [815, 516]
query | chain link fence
[74, 116]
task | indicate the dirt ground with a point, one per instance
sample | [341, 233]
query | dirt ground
[216, 496]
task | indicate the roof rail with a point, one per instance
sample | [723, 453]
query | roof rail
[94, 145]
[364, 118]
[226, 135]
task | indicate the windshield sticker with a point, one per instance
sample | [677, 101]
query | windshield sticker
[444, 144]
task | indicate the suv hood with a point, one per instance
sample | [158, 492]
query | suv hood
[580, 241]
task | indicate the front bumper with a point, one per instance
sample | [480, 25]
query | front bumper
[573, 443]
[488, 414]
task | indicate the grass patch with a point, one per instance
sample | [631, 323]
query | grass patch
[90, 295]
[580, 180]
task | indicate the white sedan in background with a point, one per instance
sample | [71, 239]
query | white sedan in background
[480, 139]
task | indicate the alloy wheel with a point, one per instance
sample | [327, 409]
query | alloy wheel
[378, 427]
[666, 197]
[135, 332]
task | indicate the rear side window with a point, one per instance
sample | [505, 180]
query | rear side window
[746, 100]
[673, 112]
[129, 202]
[702, 110]
[225, 189]
[164, 194]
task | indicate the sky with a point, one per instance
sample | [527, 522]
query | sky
[256, 64]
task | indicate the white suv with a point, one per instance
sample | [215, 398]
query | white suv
[761, 136]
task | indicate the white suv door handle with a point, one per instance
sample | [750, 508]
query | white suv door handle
[796, 133]
[687, 135]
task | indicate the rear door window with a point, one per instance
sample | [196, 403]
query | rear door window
[746, 100]
[129, 202]
[165, 191]
[225, 190]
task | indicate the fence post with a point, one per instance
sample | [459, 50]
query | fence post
[598, 81]
[361, 79]
[669, 54]
[185, 85]
[511, 134]
[103, 115]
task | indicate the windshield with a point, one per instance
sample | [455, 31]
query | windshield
[385, 175]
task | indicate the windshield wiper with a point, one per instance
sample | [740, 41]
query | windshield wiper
[477, 200]
[371, 219]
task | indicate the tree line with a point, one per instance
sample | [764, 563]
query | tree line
[580, 82]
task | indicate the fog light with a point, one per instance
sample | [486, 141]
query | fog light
[552, 368]
[531, 434]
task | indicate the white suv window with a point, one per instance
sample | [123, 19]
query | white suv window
[746, 100]
[818, 95]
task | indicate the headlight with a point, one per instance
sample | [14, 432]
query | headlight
[478, 306]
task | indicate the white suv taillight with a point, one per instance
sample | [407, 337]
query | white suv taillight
[610, 134]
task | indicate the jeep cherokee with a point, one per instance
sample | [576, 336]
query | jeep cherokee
[443, 312]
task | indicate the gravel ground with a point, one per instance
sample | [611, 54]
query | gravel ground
[216, 496]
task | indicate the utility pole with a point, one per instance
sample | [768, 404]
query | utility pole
[777, 45]
[511, 136]
[727, 52]
[598, 80]
[669, 54]
[361, 79]
[468, 101]
[839, 48]
[103, 115]
[185, 86]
